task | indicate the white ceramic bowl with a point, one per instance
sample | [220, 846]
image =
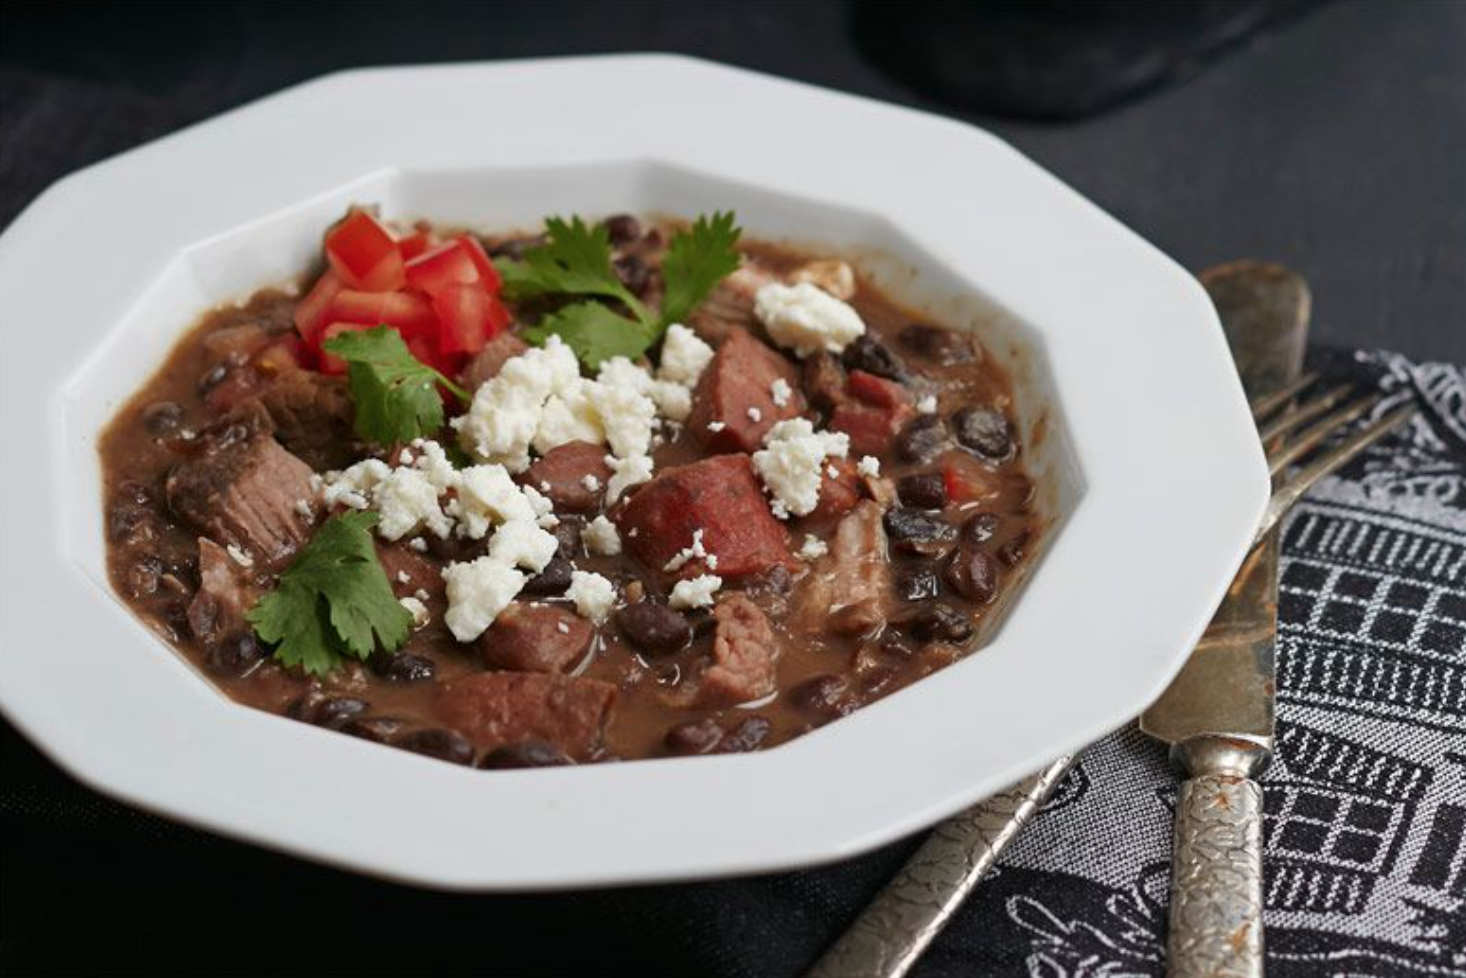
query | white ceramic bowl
[1149, 454]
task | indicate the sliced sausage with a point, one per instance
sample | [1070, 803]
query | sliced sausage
[745, 653]
[493, 709]
[573, 476]
[719, 496]
[733, 405]
[535, 638]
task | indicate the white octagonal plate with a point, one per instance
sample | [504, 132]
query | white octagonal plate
[1150, 465]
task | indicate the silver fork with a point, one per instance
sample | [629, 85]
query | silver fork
[894, 930]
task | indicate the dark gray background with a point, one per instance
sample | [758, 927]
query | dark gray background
[1334, 141]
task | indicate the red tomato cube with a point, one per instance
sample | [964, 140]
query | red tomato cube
[469, 317]
[410, 312]
[331, 364]
[488, 274]
[445, 266]
[364, 254]
[415, 244]
[313, 312]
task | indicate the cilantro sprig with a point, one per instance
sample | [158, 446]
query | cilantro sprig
[575, 263]
[395, 393]
[333, 601]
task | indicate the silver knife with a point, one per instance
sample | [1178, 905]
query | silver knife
[1217, 714]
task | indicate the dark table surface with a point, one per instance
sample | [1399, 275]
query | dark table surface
[1334, 141]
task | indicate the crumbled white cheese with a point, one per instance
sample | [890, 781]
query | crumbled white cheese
[806, 319]
[869, 466]
[695, 593]
[353, 487]
[403, 577]
[625, 473]
[421, 594]
[716, 426]
[487, 496]
[684, 356]
[832, 472]
[543, 508]
[791, 462]
[590, 483]
[562, 628]
[404, 457]
[780, 392]
[687, 554]
[813, 547]
[520, 543]
[506, 411]
[477, 591]
[237, 554]
[569, 416]
[755, 415]
[927, 405]
[600, 537]
[834, 276]
[417, 609]
[627, 416]
[418, 544]
[409, 502]
[592, 594]
[672, 399]
[303, 509]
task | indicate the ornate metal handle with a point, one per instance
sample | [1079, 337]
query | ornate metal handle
[910, 911]
[1216, 880]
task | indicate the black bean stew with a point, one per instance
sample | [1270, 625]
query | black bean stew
[213, 476]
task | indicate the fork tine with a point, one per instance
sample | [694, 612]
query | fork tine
[1266, 404]
[1312, 436]
[1304, 414]
[1301, 481]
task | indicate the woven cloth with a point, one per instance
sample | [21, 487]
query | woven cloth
[1366, 827]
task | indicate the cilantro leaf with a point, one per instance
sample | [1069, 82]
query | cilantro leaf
[696, 261]
[396, 395]
[594, 332]
[334, 600]
[575, 261]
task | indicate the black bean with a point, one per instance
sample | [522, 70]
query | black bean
[935, 343]
[917, 585]
[915, 531]
[972, 574]
[694, 737]
[445, 745]
[131, 525]
[622, 228]
[143, 576]
[985, 431]
[213, 377]
[332, 712]
[403, 667]
[895, 646]
[744, 737]
[874, 682]
[924, 490]
[874, 357]
[653, 627]
[516, 247]
[554, 579]
[825, 696]
[980, 528]
[1012, 552]
[379, 730]
[453, 548]
[161, 417]
[633, 273]
[236, 654]
[135, 492]
[923, 438]
[937, 623]
[528, 753]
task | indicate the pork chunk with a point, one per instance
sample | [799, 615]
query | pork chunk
[572, 475]
[312, 416]
[745, 653]
[535, 638]
[733, 406]
[849, 589]
[245, 489]
[487, 362]
[720, 497]
[494, 709]
[728, 309]
[223, 597]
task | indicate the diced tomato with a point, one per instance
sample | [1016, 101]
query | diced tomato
[333, 364]
[442, 268]
[968, 483]
[282, 354]
[410, 312]
[364, 254]
[875, 390]
[486, 270]
[415, 244]
[469, 318]
[313, 312]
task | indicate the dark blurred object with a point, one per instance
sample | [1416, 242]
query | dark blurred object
[1052, 59]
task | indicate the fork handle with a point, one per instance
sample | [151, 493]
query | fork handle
[1216, 880]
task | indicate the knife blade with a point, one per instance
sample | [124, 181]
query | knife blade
[1218, 713]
